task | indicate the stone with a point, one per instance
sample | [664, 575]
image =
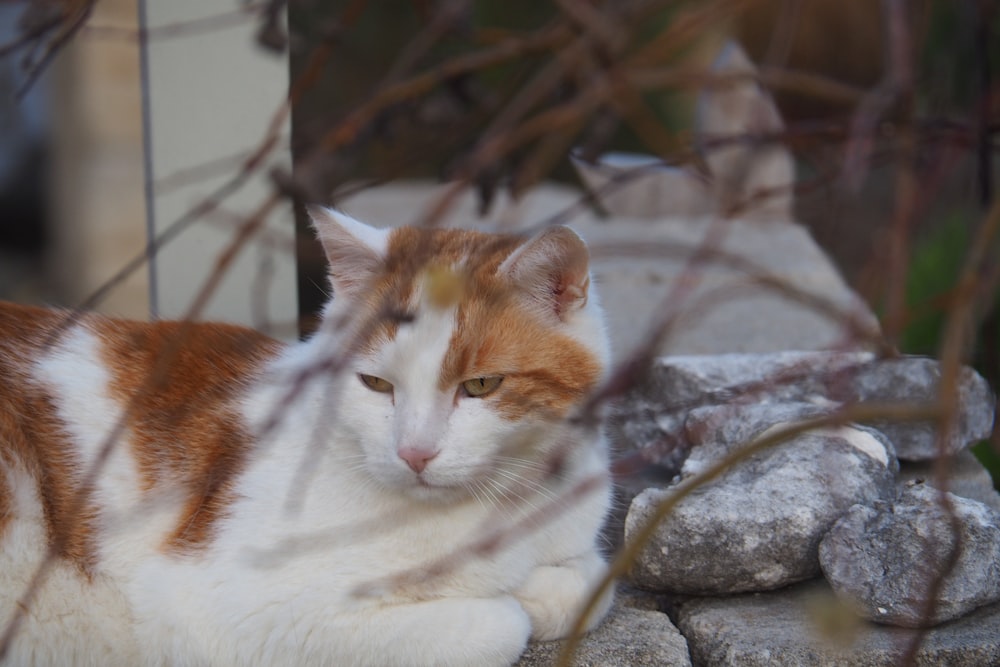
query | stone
[628, 636]
[882, 559]
[636, 185]
[758, 526]
[718, 430]
[648, 436]
[967, 477]
[652, 415]
[648, 417]
[684, 381]
[650, 420]
[916, 379]
[802, 625]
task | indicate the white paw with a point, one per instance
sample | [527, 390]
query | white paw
[456, 632]
[554, 596]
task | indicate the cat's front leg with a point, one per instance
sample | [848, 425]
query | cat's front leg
[554, 595]
[450, 632]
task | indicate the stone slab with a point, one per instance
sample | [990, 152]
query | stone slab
[644, 272]
[782, 629]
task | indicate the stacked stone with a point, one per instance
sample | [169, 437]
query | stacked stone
[830, 499]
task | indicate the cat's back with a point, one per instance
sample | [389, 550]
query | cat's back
[84, 390]
[97, 416]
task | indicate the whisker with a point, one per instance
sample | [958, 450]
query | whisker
[530, 485]
[506, 491]
[483, 502]
[523, 463]
[471, 488]
[496, 500]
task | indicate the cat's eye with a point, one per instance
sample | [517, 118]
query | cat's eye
[479, 387]
[376, 383]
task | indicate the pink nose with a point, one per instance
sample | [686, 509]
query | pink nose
[416, 457]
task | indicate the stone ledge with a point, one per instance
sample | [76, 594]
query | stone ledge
[633, 634]
[780, 628]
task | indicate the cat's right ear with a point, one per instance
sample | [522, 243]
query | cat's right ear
[552, 269]
[354, 250]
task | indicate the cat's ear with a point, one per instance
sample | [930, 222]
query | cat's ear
[552, 267]
[354, 250]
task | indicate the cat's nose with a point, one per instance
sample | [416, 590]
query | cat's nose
[416, 457]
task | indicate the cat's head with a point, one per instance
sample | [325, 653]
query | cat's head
[471, 350]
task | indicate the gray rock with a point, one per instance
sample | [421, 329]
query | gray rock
[649, 422]
[648, 418]
[628, 636]
[966, 477]
[758, 526]
[917, 379]
[716, 431]
[803, 625]
[882, 560]
[648, 435]
[689, 380]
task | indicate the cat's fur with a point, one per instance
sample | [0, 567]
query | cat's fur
[262, 504]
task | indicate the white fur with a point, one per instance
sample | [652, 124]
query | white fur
[374, 237]
[72, 621]
[374, 565]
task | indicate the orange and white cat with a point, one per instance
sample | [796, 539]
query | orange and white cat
[407, 487]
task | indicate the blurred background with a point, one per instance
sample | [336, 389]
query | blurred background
[71, 155]
[117, 118]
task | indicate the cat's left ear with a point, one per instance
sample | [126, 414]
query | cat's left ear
[553, 268]
[354, 250]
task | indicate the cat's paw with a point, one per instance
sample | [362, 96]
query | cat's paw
[496, 632]
[456, 632]
[554, 596]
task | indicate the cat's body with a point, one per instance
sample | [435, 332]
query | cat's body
[405, 488]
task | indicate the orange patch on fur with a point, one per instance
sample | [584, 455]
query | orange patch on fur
[545, 373]
[32, 438]
[496, 333]
[178, 383]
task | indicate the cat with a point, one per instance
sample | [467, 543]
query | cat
[415, 484]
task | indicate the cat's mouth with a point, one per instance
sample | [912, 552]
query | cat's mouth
[425, 491]
[438, 487]
[431, 488]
